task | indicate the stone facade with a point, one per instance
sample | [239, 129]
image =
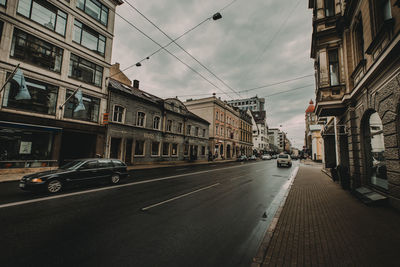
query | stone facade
[69, 51]
[364, 93]
[144, 128]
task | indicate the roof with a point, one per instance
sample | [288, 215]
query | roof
[311, 107]
[134, 91]
[259, 116]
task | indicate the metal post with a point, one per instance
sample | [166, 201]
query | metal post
[9, 78]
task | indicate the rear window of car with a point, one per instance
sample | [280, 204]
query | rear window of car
[118, 163]
[104, 163]
[283, 156]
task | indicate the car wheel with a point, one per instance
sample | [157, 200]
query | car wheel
[54, 186]
[115, 179]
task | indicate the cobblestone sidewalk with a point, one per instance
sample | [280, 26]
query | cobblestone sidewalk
[323, 225]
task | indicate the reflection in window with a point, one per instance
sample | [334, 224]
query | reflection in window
[378, 166]
[139, 148]
[85, 70]
[31, 49]
[44, 13]
[43, 97]
[333, 67]
[94, 9]
[89, 38]
[91, 111]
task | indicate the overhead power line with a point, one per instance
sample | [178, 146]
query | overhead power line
[184, 50]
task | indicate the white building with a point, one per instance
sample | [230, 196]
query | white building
[252, 103]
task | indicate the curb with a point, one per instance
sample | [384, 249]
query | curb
[262, 250]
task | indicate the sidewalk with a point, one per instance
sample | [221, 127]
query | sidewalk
[320, 224]
[7, 176]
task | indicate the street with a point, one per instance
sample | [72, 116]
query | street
[199, 216]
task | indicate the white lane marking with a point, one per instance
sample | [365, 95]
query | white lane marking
[178, 197]
[109, 188]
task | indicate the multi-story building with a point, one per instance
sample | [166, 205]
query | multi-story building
[310, 119]
[274, 140]
[59, 46]
[252, 103]
[260, 132]
[143, 128]
[356, 48]
[246, 135]
[224, 125]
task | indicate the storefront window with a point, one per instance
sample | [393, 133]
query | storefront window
[91, 111]
[42, 97]
[24, 144]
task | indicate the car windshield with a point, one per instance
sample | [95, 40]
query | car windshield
[71, 165]
[283, 156]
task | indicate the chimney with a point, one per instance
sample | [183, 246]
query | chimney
[136, 84]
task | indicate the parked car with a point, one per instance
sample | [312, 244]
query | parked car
[274, 156]
[253, 157]
[75, 172]
[284, 159]
[241, 158]
[294, 157]
[266, 157]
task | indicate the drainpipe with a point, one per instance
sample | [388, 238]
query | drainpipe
[336, 142]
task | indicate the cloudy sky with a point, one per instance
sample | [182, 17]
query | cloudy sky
[256, 43]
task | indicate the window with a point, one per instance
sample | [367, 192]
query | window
[186, 149]
[174, 150]
[203, 150]
[381, 13]
[139, 148]
[29, 48]
[189, 127]
[3, 2]
[169, 125]
[94, 9]
[216, 115]
[359, 39]
[91, 111]
[85, 71]
[204, 132]
[89, 38]
[180, 127]
[165, 149]
[155, 148]
[333, 67]
[222, 131]
[140, 119]
[329, 8]
[196, 131]
[118, 115]
[105, 163]
[216, 130]
[1, 29]
[44, 13]
[90, 165]
[40, 98]
[156, 122]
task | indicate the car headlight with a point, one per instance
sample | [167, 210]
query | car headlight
[37, 180]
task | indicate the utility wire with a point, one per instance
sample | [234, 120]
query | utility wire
[184, 50]
[131, 24]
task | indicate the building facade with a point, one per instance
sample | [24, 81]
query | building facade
[224, 125]
[59, 46]
[246, 135]
[317, 146]
[356, 48]
[310, 119]
[253, 103]
[144, 128]
[260, 132]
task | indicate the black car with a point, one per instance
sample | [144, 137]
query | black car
[76, 172]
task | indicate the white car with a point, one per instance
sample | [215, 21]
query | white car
[284, 159]
[266, 157]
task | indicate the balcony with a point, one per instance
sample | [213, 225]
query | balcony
[329, 101]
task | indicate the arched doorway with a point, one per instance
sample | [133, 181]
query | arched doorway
[374, 148]
[228, 151]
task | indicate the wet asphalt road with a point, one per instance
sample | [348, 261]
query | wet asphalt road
[184, 216]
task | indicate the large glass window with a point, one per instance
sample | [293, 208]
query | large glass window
[29, 48]
[85, 70]
[139, 148]
[89, 38]
[95, 9]
[42, 97]
[91, 111]
[44, 13]
[333, 67]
